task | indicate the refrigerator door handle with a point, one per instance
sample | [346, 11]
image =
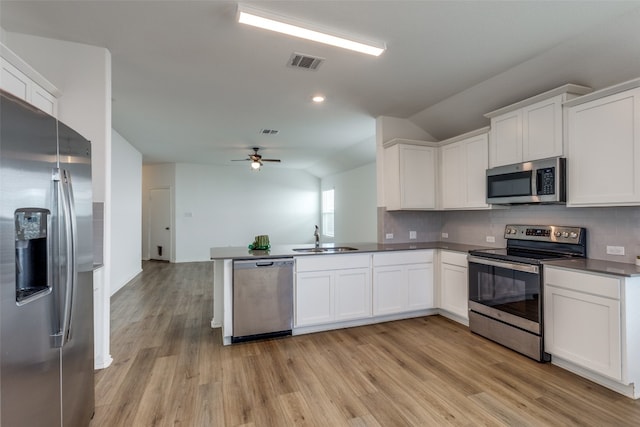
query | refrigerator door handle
[65, 274]
[71, 236]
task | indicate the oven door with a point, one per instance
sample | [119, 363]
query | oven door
[506, 291]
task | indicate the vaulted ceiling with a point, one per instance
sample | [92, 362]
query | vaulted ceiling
[191, 84]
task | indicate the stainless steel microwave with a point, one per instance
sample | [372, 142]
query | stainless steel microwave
[538, 181]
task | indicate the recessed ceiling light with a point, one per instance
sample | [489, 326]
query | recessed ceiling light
[267, 21]
[318, 98]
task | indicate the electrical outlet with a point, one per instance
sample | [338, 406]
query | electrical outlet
[615, 250]
[388, 236]
[491, 239]
[413, 235]
[445, 235]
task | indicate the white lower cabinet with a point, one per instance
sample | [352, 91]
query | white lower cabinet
[591, 326]
[314, 297]
[454, 288]
[402, 282]
[352, 294]
[389, 293]
[332, 288]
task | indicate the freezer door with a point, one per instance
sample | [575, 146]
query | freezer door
[29, 363]
[77, 351]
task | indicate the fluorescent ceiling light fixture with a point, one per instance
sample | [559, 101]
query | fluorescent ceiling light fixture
[252, 17]
[318, 98]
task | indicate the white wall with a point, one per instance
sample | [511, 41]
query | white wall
[229, 205]
[83, 75]
[126, 212]
[355, 204]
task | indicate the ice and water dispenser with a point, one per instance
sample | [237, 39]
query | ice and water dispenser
[32, 269]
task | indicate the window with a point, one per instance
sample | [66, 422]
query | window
[327, 213]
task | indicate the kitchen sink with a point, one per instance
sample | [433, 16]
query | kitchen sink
[321, 250]
[341, 249]
[305, 250]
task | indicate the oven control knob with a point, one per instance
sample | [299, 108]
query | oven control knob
[557, 234]
[565, 234]
[511, 231]
[573, 234]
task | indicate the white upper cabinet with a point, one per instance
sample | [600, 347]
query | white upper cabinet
[542, 129]
[506, 137]
[463, 164]
[19, 79]
[530, 129]
[410, 175]
[603, 156]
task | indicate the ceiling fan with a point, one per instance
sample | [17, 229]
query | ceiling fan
[256, 159]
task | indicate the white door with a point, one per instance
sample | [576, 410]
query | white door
[160, 224]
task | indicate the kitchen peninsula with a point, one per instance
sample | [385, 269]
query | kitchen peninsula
[395, 281]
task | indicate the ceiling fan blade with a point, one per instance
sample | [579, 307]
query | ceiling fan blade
[271, 160]
[240, 160]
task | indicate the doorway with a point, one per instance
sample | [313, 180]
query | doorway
[160, 247]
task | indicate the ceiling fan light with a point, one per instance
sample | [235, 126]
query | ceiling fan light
[255, 165]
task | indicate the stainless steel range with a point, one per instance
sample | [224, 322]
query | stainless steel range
[505, 285]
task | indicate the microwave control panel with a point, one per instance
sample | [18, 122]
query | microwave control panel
[546, 181]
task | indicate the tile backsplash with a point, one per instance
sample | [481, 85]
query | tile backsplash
[619, 226]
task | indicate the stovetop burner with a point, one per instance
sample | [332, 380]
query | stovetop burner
[532, 244]
[516, 255]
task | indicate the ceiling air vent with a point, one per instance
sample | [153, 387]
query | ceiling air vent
[268, 132]
[300, 60]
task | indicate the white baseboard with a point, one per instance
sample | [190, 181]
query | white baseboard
[628, 390]
[102, 363]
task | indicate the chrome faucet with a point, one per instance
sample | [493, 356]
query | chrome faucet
[317, 236]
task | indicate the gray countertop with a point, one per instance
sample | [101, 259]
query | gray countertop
[279, 251]
[284, 251]
[598, 266]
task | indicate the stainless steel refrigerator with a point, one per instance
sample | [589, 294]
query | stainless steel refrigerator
[46, 270]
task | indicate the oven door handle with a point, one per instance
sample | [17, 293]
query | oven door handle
[527, 268]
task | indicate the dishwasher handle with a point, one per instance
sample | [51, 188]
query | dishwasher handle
[262, 263]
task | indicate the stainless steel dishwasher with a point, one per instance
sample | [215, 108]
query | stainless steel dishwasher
[262, 298]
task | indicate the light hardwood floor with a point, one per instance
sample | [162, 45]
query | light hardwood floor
[170, 369]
